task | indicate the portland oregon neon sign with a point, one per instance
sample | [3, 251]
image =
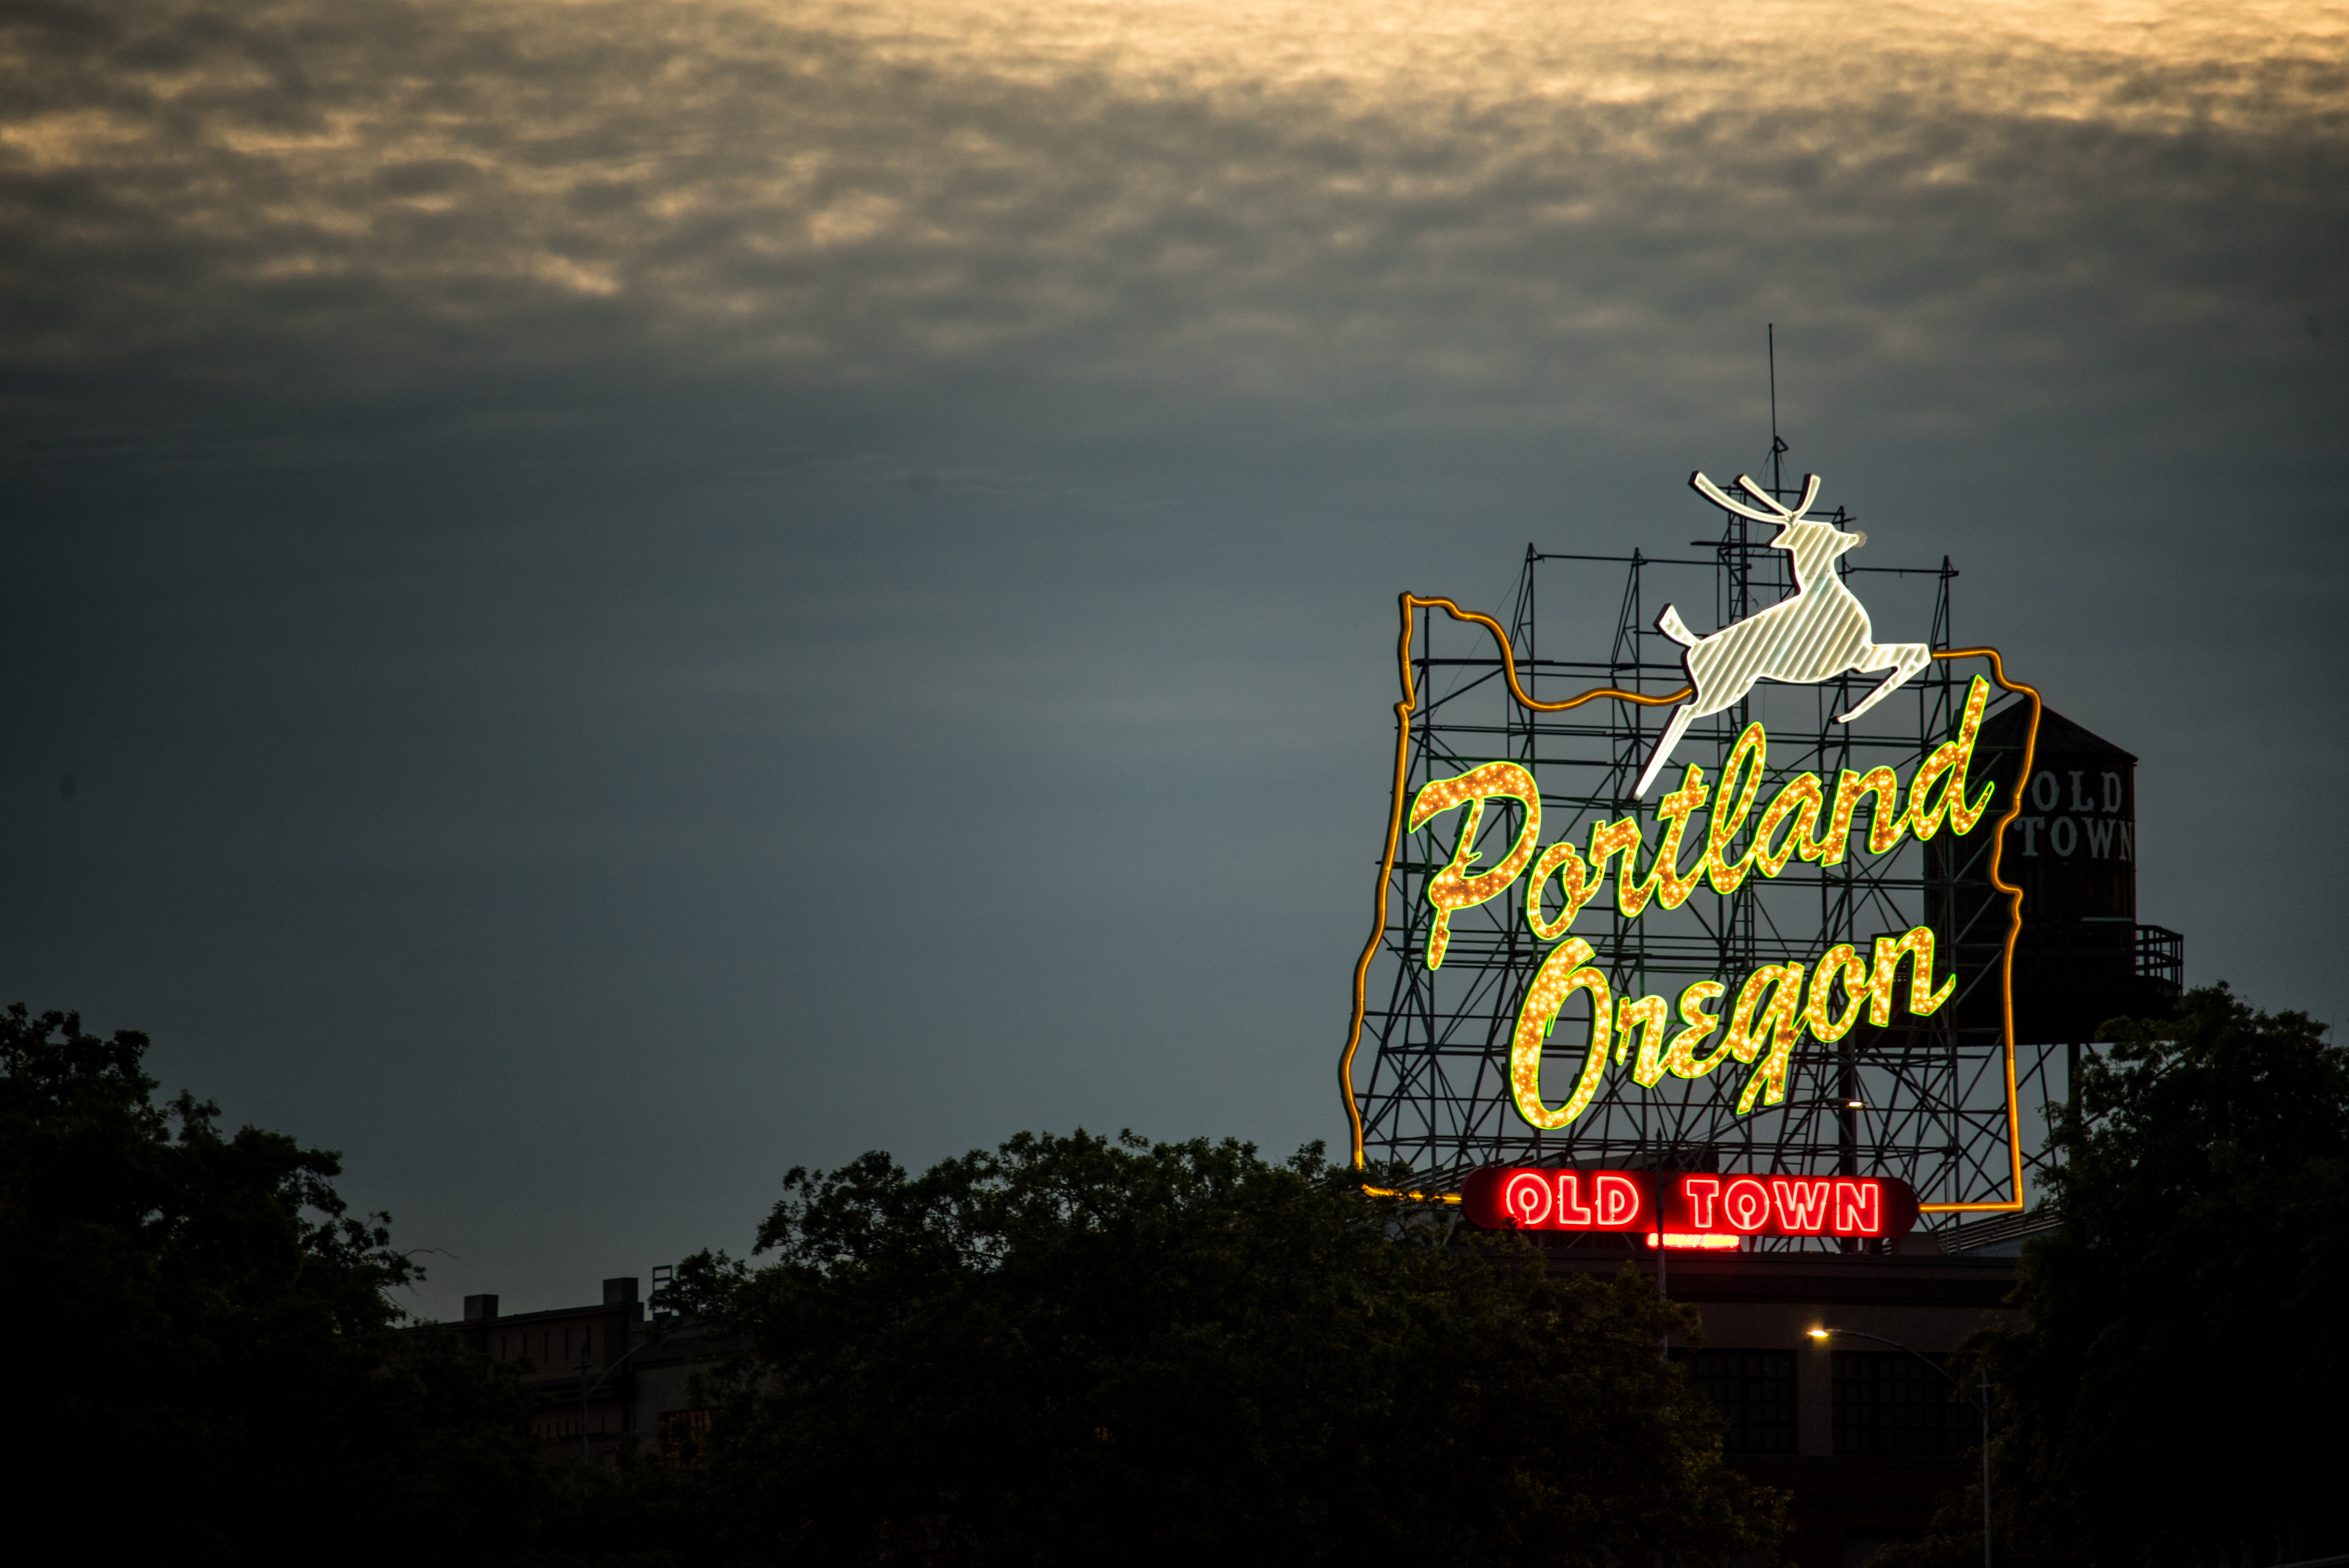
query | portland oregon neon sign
[1650, 917]
[1774, 1009]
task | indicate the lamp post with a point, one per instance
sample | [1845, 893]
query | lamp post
[587, 1391]
[1980, 1404]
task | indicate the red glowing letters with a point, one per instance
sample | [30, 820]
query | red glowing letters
[1692, 1204]
[1560, 1200]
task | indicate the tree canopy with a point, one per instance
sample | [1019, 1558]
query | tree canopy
[1077, 1350]
[2178, 1364]
[1067, 1349]
[214, 1370]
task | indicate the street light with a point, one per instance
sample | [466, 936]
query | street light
[587, 1391]
[1982, 1404]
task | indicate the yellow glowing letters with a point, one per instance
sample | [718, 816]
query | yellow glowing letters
[1453, 889]
[1650, 1017]
[1771, 1016]
[1697, 1026]
[1620, 840]
[1574, 880]
[1673, 889]
[1840, 964]
[1775, 1031]
[1923, 1000]
[1563, 973]
[1886, 825]
[1772, 1013]
[1752, 753]
[1801, 798]
[1947, 768]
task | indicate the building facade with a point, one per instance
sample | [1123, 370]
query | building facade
[1866, 1437]
[602, 1375]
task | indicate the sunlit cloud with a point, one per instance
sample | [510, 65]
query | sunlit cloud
[1451, 195]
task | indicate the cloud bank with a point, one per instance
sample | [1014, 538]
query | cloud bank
[1475, 209]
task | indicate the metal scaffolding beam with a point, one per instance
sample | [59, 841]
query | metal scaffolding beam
[1925, 1100]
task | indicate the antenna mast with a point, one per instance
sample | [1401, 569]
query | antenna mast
[1778, 446]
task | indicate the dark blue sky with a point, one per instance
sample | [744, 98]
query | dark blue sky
[634, 597]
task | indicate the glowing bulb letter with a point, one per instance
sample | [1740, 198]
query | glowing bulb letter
[1673, 889]
[1918, 944]
[1752, 753]
[1680, 1057]
[1840, 964]
[1779, 1028]
[1453, 889]
[1562, 974]
[1801, 798]
[1947, 768]
[1574, 880]
[1621, 837]
[1653, 1018]
[1886, 825]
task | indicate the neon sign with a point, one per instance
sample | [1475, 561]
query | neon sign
[1670, 923]
[1775, 1006]
[1702, 1209]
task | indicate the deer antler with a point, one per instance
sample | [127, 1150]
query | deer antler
[1777, 513]
[1713, 494]
[1810, 494]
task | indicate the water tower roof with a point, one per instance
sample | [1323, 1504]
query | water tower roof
[2058, 736]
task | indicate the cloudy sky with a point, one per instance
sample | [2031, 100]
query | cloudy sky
[606, 599]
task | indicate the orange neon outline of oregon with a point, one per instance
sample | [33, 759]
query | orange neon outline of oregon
[1411, 604]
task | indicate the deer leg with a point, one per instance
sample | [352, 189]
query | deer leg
[1673, 733]
[1906, 659]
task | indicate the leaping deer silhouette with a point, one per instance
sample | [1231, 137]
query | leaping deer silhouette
[1815, 633]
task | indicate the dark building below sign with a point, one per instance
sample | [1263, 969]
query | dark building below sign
[636, 1374]
[1754, 1392]
[1893, 1404]
[1868, 1440]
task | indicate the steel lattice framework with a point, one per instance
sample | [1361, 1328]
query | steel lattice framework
[1938, 1101]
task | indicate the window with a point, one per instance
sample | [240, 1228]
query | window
[683, 1435]
[1754, 1392]
[1887, 1402]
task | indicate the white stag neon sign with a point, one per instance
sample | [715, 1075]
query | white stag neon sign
[1815, 633]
